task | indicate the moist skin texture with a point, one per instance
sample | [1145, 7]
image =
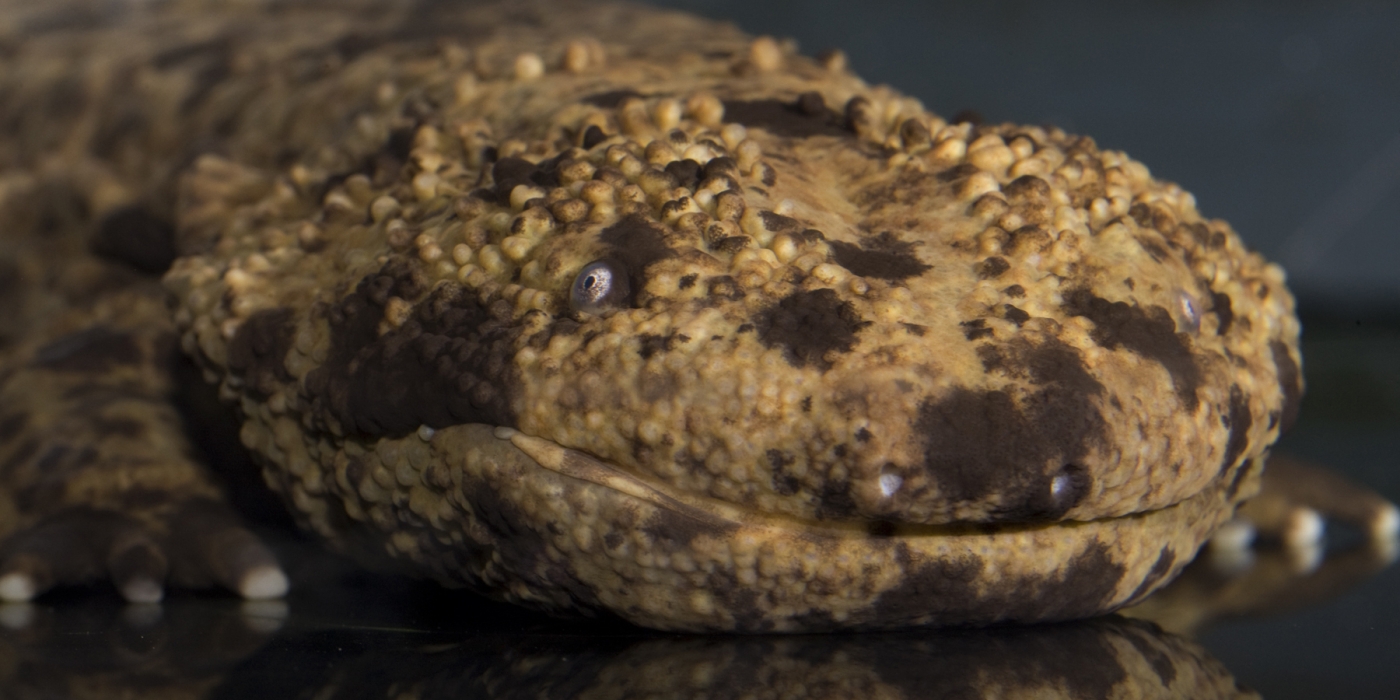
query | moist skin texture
[860, 367]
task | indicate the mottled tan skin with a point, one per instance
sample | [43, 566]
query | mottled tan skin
[874, 370]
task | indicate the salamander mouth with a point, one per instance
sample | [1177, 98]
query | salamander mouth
[580, 465]
[676, 561]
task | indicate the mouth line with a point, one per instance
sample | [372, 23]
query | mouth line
[711, 511]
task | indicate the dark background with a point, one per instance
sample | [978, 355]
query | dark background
[1282, 117]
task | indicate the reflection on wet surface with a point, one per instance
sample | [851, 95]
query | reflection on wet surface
[1097, 659]
[218, 648]
[349, 634]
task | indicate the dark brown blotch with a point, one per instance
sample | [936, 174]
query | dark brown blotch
[1029, 238]
[611, 99]
[1089, 583]
[1236, 481]
[777, 223]
[636, 243]
[1142, 214]
[508, 173]
[944, 587]
[723, 166]
[449, 363]
[1149, 332]
[511, 172]
[802, 118]
[399, 145]
[859, 115]
[592, 136]
[649, 344]
[992, 267]
[725, 288]
[976, 329]
[835, 502]
[135, 236]
[883, 256]
[1027, 187]
[1290, 381]
[784, 483]
[686, 172]
[811, 103]
[730, 244]
[523, 550]
[1222, 308]
[258, 350]
[1166, 561]
[741, 601]
[1013, 444]
[1238, 421]
[767, 175]
[809, 325]
[960, 591]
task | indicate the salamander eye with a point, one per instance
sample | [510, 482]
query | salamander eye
[600, 285]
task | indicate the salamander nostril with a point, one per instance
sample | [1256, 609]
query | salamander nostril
[1068, 487]
[890, 483]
